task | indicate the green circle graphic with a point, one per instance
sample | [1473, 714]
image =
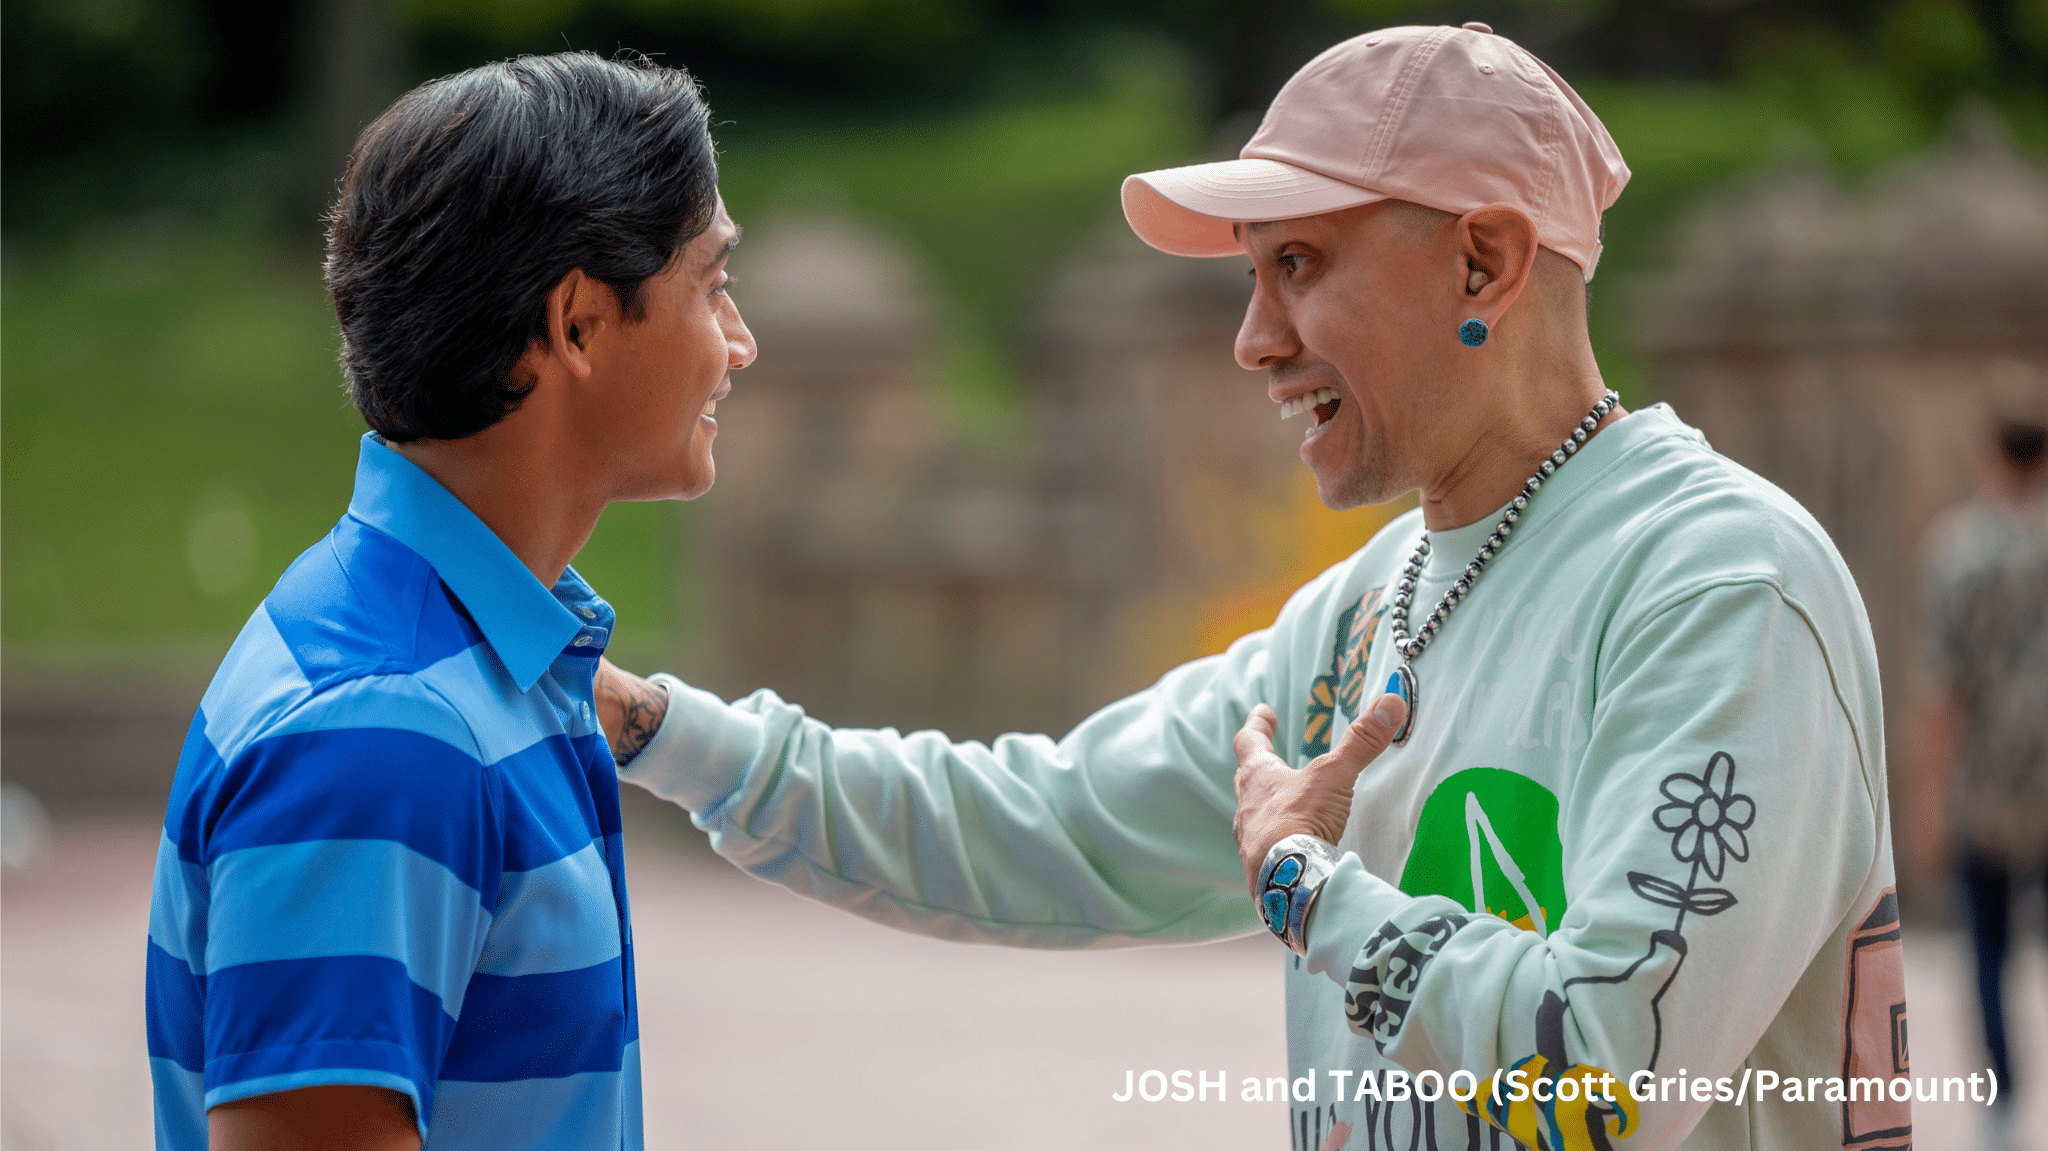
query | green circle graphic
[1501, 826]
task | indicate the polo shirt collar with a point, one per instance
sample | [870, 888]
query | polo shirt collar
[522, 620]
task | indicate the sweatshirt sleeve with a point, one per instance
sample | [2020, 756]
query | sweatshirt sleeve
[1118, 834]
[1725, 817]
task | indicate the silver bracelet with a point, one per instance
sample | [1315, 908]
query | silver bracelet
[1289, 882]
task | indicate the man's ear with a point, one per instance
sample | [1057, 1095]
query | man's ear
[580, 310]
[1498, 243]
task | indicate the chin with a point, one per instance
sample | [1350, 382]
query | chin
[1354, 487]
[686, 481]
[698, 482]
[1364, 482]
[1342, 500]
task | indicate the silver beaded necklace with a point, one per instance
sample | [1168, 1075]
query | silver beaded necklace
[1403, 682]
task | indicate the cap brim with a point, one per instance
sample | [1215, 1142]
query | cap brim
[1189, 211]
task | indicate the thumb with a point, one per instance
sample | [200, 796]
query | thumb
[1367, 736]
[1256, 736]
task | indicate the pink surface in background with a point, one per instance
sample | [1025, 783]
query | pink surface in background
[768, 1021]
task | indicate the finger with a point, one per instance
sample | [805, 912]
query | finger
[1257, 734]
[1366, 738]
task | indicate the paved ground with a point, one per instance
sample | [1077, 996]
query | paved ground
[770, 1022]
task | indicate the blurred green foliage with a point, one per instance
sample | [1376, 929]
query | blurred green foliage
[150, 369]
[174, 428]
[170, 363]
[892, 27]
[991, 196]
[159, 375]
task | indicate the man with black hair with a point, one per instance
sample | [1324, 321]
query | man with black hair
[390, 893]
[1984, 778]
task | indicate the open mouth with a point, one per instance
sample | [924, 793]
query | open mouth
[1321, 406]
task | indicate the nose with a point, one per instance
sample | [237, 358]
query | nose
[1266, 338]
[740, 349]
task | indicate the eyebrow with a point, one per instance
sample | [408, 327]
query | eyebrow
[725, 251]
[1244, 228]
[1254, 227]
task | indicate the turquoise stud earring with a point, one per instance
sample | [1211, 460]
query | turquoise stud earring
[1472, 333]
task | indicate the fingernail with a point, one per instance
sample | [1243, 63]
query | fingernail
[1388, 710]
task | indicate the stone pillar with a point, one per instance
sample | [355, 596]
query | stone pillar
[863, 562]
[1844, 343]
[866, 563]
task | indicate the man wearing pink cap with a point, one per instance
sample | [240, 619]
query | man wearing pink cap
[1607, 861]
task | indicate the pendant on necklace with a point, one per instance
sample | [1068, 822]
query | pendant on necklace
[1402, 683]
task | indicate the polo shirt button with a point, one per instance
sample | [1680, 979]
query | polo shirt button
[582, 641]
[587, 613]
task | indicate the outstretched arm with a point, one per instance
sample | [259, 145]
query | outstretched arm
[1117, 834]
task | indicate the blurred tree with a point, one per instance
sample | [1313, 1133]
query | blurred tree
[74, 73]
[1934, 51]
[80, 74]
[157, 149]
[355, 64]
[248, 77]
[2018, 32]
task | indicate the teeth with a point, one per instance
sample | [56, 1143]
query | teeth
[1299, 404]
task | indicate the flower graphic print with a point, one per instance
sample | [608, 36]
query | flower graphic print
[1707, 818]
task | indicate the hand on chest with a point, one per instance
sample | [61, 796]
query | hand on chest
[1468, 807]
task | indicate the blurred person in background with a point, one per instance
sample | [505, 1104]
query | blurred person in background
[390, 896]
[1625, 812]
[1983, 784]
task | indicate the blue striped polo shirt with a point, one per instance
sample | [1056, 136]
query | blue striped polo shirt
[392, 853]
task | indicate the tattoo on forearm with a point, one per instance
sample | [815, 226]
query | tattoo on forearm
[641, 707]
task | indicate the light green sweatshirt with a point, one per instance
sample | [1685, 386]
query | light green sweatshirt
[1640, 825]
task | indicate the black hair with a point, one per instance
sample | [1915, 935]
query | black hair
[2022, 443]
[473, 196]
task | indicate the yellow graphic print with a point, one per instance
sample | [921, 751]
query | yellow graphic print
[1315, 726]
[1345, 682]
[1510, 1102]
[1357, 645]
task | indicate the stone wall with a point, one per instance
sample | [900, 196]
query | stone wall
[869, 564]
[1846, 342]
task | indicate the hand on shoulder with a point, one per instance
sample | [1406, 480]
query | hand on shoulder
[629, 708]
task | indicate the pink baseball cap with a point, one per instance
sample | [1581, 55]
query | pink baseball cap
[1451, 118]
